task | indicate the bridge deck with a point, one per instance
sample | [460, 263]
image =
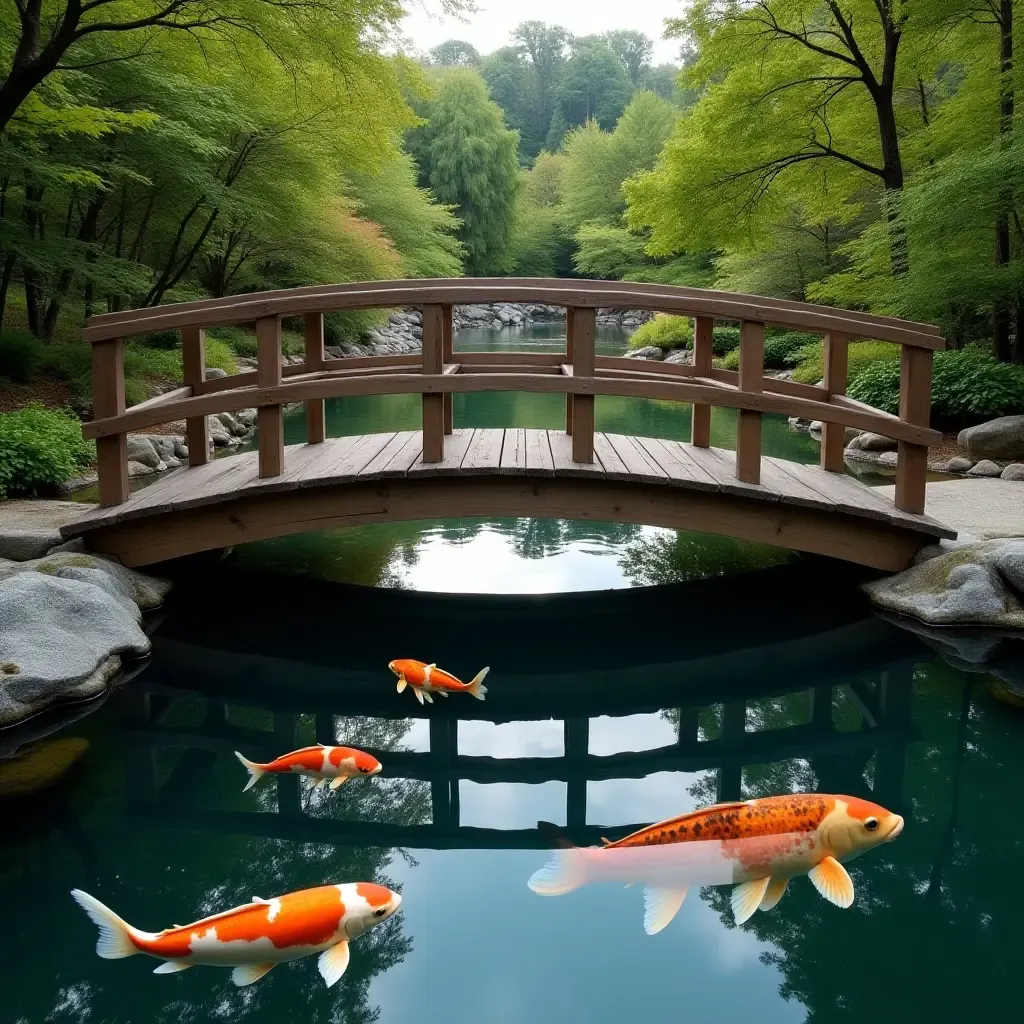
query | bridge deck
[481, 452]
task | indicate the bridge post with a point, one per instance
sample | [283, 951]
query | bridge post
[269, 418]
[569, 361]
[833, 435]
[582, 324]
[108, 400]
[315, 432]
[703, 343]
[193, 362]
[915, 407]
[433, 404]
[748, 423]
[447, 348]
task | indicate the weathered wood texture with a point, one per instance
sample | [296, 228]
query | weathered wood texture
[703, 341]
[270, 418]
[915, 408]
[583, 328]
[748, 423]
[193, 362]
[314, 338]
[507, 472]
[108, 400]
[433, 363]
[833, 435]
[447, 359]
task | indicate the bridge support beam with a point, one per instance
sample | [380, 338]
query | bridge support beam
[581, 329]
[915, 407]
[193, 362]
[108, 400]
[703, 346]
[447, 348]
[833, 435]
[748, 423]
[433, 363]
[315, 422]
[269, 418]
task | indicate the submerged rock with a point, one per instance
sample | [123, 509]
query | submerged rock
[40, 766]
[61, 641]
[977, 584]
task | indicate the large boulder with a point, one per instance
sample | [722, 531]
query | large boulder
[647, 352]
[976, 584]
[872, 442]
[142, 450]
[30, 527]
[61, 641]
[1001, 438]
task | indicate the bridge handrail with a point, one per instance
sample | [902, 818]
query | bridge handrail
[579, 373]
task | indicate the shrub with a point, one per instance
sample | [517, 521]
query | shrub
[21, 356]
[810, 360]
[968, 387]
[39, 449]
[780, 350]
[220, 354]
[664, 332]
[160, 339]
[238, 339]
[724, 340]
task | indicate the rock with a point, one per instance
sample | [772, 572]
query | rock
[980, 584]
[140, 469]
[215, 371]
[799, 423]
[220, 437]
[60, 641]
[870, 456]
[681, 356]
[180, 448]
[1014, 471]
[985, 468]
[872, 442]
[147, 592]
[40, 766]
[247, 417]
[30, 527]
[105, 581]
[140, 449]
[815, 426]
[73, 546]
[231, 424]
[20, 545]
[647, 352]
[957, 465]
[1001, 438]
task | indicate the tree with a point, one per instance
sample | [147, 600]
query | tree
[469, 160]
[594, 86]
[634, 49]
[455, 53]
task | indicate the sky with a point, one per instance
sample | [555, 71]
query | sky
[490, 26]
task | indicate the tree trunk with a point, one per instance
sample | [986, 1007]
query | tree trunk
[892, 161]
[1001, 318]
[5, 283]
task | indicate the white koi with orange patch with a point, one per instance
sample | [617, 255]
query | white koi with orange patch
[320, 762]
[257, 936]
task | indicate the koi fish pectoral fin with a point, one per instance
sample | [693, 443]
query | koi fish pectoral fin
[171, 967]
[332, 962]
[339, 781]
[426, 696]
[402, 683]
[832, 881]
[660, 906]
[775, 891]
[249, 973]
[747, 897]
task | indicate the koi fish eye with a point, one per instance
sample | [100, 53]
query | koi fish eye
[365, 771]
[380, 913]
[871, 824]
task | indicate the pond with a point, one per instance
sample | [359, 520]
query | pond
[692, 670]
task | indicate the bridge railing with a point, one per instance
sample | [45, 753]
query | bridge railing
[438, 372]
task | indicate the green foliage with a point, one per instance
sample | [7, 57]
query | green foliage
[21, 356]
[455, 53]
[469, 159]
[633, 49]
[39, 449]
[725, 340]
[810, 359]
[595, 86]
[607, 252]
[968, 387]
[780, 351]
[666, 332]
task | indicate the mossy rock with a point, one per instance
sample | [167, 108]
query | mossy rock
[40, 767]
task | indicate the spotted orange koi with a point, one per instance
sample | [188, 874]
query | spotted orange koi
[323, 763]
[426, 680]
[759, 844]
[256, 936]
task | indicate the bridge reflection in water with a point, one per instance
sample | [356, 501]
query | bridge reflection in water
[831, 688]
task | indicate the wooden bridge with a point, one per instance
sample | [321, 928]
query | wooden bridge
[438, 472]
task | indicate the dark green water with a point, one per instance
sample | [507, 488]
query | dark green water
[605, 711]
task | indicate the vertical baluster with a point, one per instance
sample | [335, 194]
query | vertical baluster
[270, 418]
[730, 774]
[108, 400]
[748, 423]
[576, 743]
[703, 341]
[833, 435]
[315, 425]
[569, 361]
[433, 404]
[447, 347]
[582, 324]
[915, 407]
[193, 363]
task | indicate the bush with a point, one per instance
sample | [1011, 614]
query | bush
[238, 339]
[810, 360]
[160, 339]
[781, 350]
[725, 340]
[39, 449]
[21, 356]
[968, 387]
[664, 332]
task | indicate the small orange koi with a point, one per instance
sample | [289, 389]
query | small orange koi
[339, 764]
[429, 679]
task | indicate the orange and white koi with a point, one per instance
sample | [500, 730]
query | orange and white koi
[257, 936]
[760, 844]
[339, 764]
[426, 680]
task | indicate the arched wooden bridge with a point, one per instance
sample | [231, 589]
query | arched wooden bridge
[438, 472]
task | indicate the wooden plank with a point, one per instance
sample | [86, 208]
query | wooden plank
[538, 454]
[678, 467]
[513, 452]
[162, 399]
[561, 457]
[433, 363]
[483, 455]
[395, 458]
[308, 473]
[611, 465]
[720, 465]
[583, 328]
[193, 361]
[314, 345]
[845, 493]
[748, 422]
[351, 461]
[833, 435]
[790, 489]
[455, 449]
[915, 408]
[269, 418]
[570, 332]
[703, 341]
[447, 339]
[639, 465]
[108, 401]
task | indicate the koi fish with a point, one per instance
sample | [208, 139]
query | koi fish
[760, 844]
[429, 679]
[256, 936]
[339, 764]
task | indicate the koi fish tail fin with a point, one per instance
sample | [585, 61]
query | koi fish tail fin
[115, 939]
[255, 771]
[476, 686]
[566, 871]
